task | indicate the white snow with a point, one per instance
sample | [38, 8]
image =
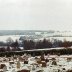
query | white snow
[61, 63]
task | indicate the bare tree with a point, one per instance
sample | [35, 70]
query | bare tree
[9, 40]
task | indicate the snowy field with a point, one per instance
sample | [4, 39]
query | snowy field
[51, 63]
[16, 37]
[4, 38]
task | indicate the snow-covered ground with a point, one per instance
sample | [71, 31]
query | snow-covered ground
[64, 63]
[4, 38]
[43, 35]
[58, 48]
[16, 37]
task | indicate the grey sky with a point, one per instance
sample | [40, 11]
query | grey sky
[36, 14]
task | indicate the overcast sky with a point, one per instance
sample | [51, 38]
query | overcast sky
[35, 14]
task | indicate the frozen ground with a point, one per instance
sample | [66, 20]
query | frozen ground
[4, 38]
[64, 63]
[14, 37]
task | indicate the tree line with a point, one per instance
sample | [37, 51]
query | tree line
[41, 44]
[30, 44]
